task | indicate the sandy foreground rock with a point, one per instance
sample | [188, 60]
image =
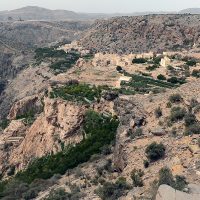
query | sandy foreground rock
[166, 192]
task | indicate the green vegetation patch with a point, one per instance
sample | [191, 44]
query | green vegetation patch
[166, 177]
[194, 128]
[136, 176]
[77, 92]
[60, 61]
[161, 77]
[42, 53]
[175, 80]
[152, 67]
[155, 151]
[157, 60]
[4, 124]
[143, 84]
[139, 60]
[150, 81]
[191, 62]
[177, 114]
[88, 57]
[196, 73]
[175, 98]
[28, 117]
[112, 191]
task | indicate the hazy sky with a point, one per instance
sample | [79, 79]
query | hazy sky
[104, 5]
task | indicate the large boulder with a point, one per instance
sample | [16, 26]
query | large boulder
[159, 131]
[166, 192]
[194, 189]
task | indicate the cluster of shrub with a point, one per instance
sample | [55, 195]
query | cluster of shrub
[176, 80]
[155, 61]
[114, 190]
[196, 73]
[135, 133]
[61, 194]
[4, 124]
[28, 117]
[139, 60]
[85, 93]
[46, 52]
[191, 62]
[152, 67]
[173, 79]
[166, 177]
[192, 125]
[154, 152]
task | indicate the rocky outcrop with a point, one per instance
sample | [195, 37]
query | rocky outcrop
[159, 131]
[128, 112]
[57, 126]
[28, 104]
[15, 128]
[119, 158]
[166, 192]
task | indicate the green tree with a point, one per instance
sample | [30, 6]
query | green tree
[155, 151]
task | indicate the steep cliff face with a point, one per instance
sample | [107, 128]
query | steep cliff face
[30, 105]
[57, 126]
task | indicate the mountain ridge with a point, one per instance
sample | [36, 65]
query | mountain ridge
[155, 33]
[40, 13]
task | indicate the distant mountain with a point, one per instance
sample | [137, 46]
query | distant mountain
[190, 11]
[38, 13]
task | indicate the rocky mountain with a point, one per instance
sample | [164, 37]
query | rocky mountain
[143, 34]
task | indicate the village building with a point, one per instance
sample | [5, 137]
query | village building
[123, 78]
[165, 61]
